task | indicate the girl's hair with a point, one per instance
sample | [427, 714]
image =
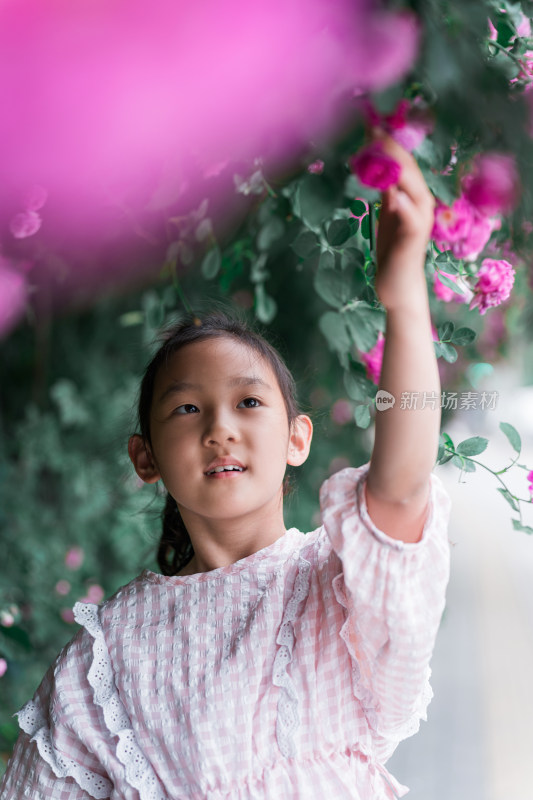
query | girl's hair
[175, 547]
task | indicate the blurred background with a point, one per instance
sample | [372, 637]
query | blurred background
[123, 208]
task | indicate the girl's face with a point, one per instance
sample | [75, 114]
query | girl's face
[217, 403]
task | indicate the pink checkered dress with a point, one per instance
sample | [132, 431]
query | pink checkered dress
[291, 674]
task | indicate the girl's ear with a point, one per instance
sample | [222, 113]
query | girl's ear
[142, 459]
[299, 440]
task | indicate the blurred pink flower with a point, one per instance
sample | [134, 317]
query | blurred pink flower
[477, 237]
[530, 481]
[374, 167]
[316, 168]
[3, 667]
[452, 223]
[342, 412]
[94, 595]
[74, 558]
[13, 293]
[461, 229]
[63, 587]
[493, 33]
[373, 360]
[495, 280]
[408, 124]
[492, 186]
[7, 619]
[523, 28]
[25, 224]
[67, 615]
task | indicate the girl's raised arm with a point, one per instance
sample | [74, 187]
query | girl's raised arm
[406, 433]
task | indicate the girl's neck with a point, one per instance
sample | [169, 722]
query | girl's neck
[220, 544]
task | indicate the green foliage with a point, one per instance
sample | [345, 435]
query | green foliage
[302, 261]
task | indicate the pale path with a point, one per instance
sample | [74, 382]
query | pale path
[478, 741]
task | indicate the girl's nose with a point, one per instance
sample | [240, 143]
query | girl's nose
[220, 430]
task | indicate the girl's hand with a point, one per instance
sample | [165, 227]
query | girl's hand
[404, 229]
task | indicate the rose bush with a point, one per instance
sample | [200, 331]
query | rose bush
[290, 241]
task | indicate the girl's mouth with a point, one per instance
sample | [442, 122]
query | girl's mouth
[225, 472]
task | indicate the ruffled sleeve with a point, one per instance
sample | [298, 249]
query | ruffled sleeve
[65, 750]
[393, 594]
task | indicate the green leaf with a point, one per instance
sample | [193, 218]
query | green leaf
[265, 306]
[353, 258]
[333, 327]
[447, 439]
[364, 323]
[517, 525]
[358, 208]
[270, 233]
[473, 446]
[513, 436]
[445, 331]
[365, 227]
[506, 494]
[463, 336]
[306, 244]
[448, 262]
[445, 457]
[463, 464]
[362, 416]
[211, 263]
[359, 387]
[446, 351]
[318, 196]
[338, 232]
[446, 281]
[333, 286]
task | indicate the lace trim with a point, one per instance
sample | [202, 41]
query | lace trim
[361, 688]
[349, 635]
[32, 721]
[288, 718]
[139, 773]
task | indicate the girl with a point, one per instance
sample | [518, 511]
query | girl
[262, 663]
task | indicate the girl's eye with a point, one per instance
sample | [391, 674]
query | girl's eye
[249, 402]
[187, 408]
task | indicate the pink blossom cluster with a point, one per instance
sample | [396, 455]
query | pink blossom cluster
[408, 124]
[495, 279]
[491, 187]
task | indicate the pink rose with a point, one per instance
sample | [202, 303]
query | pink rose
[492, 186]
[495, 280]
[452, 223]
[25, 224]
[373, 360]
[477, 236]
[375, 168]
[461, 229]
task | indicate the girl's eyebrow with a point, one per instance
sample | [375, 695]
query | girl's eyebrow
[175, 387]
